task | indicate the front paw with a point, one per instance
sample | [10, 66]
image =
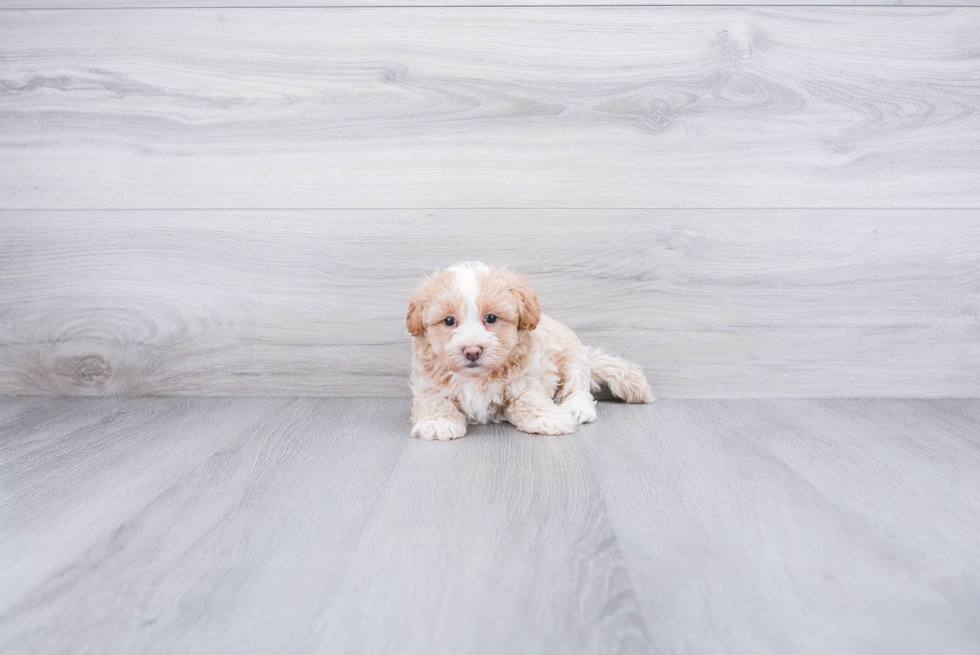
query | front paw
[441, 429]
[550, 423]
[582, 408]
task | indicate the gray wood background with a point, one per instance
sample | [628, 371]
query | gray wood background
[713, 303]
[751, 202]
[124, 4]
[492, 107]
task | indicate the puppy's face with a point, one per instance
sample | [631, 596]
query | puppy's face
[472, 315]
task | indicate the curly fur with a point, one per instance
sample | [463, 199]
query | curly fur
[523, 367]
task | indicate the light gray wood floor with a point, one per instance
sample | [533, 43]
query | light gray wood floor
[260, 525]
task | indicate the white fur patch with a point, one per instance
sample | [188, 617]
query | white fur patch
[467, 285]
[550, 423]
[438, 428]
[476, 401]
[474, 398]
[581, 405]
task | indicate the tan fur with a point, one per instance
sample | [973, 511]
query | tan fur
[531, 370]
[624, 379]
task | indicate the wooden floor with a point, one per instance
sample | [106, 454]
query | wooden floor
[278, 525]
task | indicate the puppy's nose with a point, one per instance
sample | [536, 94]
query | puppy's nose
[473, 353]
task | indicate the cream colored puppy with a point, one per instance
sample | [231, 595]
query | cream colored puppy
[483, 351]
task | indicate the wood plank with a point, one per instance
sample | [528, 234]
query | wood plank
[497, 544]
[736, 303]
[491, 107]
[313, 525]
[68, 483]
[916, 463]
[35, 430]
[796, 526]
[305, 4]
[219, 525]
[13, 408]
[319, 527]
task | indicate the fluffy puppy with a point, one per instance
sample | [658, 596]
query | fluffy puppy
[483, 351]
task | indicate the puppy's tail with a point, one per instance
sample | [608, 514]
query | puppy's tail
[624, 378]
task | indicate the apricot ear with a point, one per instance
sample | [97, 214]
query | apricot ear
[530, 313]
[414, 322]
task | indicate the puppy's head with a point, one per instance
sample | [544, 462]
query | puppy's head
[472, 316]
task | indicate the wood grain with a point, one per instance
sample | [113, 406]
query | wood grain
[309, 526]
[195, 526]
[249, 525]
[82, 469]
[498, 544]
[797, 526]
[737, 303]
[305, 4]
[491, 107]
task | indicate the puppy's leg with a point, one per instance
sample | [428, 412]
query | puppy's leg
[575, 394]
[533, 411]
[436, 417]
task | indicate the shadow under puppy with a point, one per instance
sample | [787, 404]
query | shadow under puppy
[483, 351]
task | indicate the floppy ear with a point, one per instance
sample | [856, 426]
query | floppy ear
[530, 307]
[414, 322]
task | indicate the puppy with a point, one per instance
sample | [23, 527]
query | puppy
[483, 351]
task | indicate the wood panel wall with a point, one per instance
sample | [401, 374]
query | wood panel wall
[145, 4]
[750, 201]
[492, 107]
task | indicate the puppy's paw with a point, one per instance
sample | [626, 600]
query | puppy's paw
[550, 423]
[581, 407]
[441, 429]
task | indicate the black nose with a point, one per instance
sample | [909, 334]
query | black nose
[472, 353]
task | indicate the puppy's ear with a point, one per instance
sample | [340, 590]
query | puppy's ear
[530, 307]
[414, 322]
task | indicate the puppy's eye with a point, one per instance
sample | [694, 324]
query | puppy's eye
[491, 318]
[450, 321]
